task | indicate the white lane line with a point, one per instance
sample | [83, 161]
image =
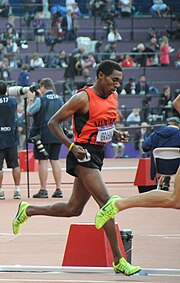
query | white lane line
[59, 280]
[87, 269]
[103, 169]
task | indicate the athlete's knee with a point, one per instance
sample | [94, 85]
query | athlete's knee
[75, 211]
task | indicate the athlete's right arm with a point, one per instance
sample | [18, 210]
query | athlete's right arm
[77, 103]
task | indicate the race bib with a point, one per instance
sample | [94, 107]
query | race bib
[105, 134]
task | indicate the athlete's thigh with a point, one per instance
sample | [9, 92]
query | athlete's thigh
[80, 195]
[92, 180]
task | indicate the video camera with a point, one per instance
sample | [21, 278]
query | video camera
[20, 90]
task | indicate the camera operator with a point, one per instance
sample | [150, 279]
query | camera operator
[9, 139]
[46, 146]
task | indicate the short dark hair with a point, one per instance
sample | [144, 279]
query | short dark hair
[107, 67]
[47, 83]
[3, 87]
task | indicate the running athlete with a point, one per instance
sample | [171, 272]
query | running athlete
[94, 111]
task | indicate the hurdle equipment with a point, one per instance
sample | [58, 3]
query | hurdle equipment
[87, 246]
[142, 178]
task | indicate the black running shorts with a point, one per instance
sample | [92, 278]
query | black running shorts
[96, 159]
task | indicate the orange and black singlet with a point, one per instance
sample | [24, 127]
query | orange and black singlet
[97, 125]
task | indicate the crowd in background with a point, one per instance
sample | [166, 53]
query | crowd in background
[155, 51]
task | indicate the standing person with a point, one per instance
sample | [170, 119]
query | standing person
[94, 111]
[140, 136]
[9, 139]
[42, 109]
[154, 198]
[164, 52]
[67, 25]
[21, 125]
[24, 76]
[142, 86]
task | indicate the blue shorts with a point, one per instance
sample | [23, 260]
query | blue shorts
[96, 159]
[10, 155]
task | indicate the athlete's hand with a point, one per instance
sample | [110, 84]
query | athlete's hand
[79, 152]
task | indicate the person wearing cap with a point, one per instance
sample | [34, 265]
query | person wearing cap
[166, 136]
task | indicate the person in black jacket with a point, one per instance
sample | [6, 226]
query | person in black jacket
[9, 139]
[68, 26]
[46, 147]
[167, 136]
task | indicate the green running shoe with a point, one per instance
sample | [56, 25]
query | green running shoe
[126, 268]
[20, 218]
[109, 210]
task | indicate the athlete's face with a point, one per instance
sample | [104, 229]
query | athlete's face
[111, 83]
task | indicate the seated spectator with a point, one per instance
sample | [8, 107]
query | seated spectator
[130, 87]
[165, 102]
[12, 52]
[39, 28]
[57, 8]
[24, 76]
[84, 64]
[89, 62]
[36, 61]
[96, 7]
[60, 61]
[140, 136]
[76, 10]
[152, 59]
[175, 32]
[11, 32]
[114, 35]
[140, 56]
[30, 8]
[134, 116]
[177, 62]
[110, 51]
[127, 62]
[126, 8]
[167, 136]
[142, 87]
[5, 70]
[69, 4]
[3, 50]
[158, 8]
[4, 8]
